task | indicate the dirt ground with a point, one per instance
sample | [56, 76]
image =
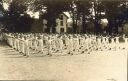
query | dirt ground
[97, 66]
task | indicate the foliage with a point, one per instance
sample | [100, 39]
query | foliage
[16, 18]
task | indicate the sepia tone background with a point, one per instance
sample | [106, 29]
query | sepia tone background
[64, 16]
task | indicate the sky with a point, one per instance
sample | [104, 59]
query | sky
[5, 5]
[33, 14]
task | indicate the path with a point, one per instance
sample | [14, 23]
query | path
[100, 66]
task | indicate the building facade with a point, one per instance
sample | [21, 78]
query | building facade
[61, 24]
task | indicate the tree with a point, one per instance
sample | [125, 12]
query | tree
[113, 10]
[83, 11]
[16, 19]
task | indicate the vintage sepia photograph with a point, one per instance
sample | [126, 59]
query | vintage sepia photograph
[63, 40]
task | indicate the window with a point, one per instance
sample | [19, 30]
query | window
[61, 17]
[61, 23]
[45, 30]
[62, 30]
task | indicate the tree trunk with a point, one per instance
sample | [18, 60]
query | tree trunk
[83, 24]
[116, 26]
[74, 27]
[110, 27]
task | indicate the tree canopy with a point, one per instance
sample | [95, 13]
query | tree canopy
[115, 11]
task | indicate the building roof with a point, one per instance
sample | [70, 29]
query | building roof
[64, 13]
